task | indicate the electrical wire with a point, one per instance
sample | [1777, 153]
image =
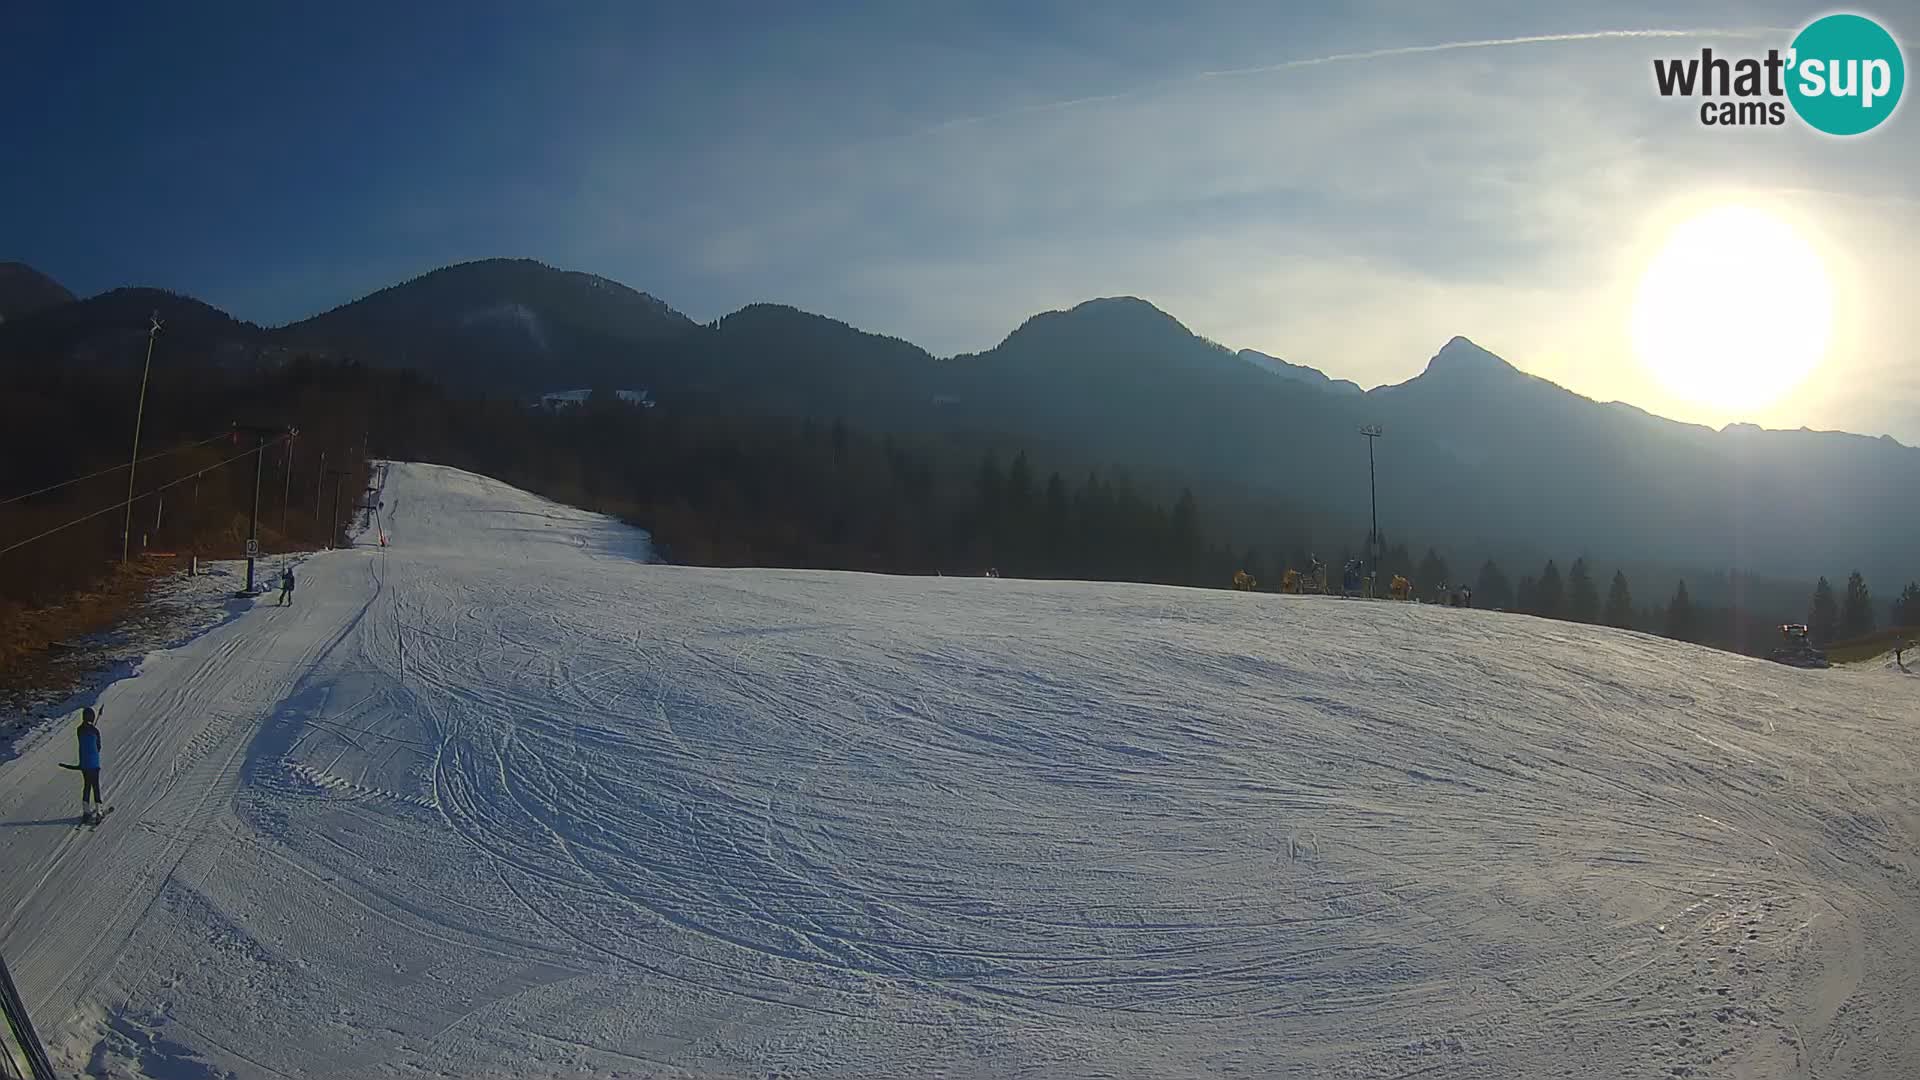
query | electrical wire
[126, 502]
[115, 468]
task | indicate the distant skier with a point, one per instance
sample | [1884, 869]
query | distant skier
[89, 735]
[286, 587]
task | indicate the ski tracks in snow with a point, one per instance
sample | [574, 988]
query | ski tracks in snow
[508, 798]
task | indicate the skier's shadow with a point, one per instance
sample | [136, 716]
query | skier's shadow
[74, 820]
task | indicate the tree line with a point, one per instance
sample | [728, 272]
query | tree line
[62, 571]
[1576, 597]
[732, 491]
[1831, 619]
[735, 490]
[738, 491]
[195, 492]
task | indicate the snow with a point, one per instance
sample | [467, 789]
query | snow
[567, 399]
[178, 608]
[508, 798]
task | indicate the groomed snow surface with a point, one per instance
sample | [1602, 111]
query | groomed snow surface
[504, 798]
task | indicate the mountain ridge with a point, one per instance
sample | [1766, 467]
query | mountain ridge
[1459, 354]
[1475, 449]
[25, 290]
[1301, 372]
[462, 272]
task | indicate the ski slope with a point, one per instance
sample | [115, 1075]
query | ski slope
[505, 798]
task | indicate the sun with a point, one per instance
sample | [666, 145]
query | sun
[1734, 312]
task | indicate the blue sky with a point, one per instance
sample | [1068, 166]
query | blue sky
[941, 171]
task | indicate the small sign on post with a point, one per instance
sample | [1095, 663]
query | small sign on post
[253, 549]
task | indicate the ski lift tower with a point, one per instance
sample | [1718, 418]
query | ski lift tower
[1372, 432]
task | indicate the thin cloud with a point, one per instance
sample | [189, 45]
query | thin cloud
[1343, 58]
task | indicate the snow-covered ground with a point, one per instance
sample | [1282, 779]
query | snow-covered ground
[177, 608]
[505, 798]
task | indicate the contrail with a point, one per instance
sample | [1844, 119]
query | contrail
[1486, 43]
[1350, 57]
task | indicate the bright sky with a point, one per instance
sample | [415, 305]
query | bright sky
[940, 172]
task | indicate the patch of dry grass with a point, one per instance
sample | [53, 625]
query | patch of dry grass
[39, 645]
[1877, 644]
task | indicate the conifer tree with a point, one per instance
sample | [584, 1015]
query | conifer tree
[1525, 596]
[1549, 597]
[1823, 618]
[1906, 606]
[1058, 528]
[1856, 611]
[1492, 590]
[1583, 600]
[1619, 611]
[1680, 616]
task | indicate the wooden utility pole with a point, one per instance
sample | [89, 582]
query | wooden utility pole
[139, 414]
[286, 496]
[260, 437]
[319, 479]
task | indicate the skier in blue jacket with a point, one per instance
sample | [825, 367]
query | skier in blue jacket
[89, 733]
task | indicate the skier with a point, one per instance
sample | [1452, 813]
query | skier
[286, 587]
[89, 736]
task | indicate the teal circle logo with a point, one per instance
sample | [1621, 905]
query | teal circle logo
[1845, 74]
